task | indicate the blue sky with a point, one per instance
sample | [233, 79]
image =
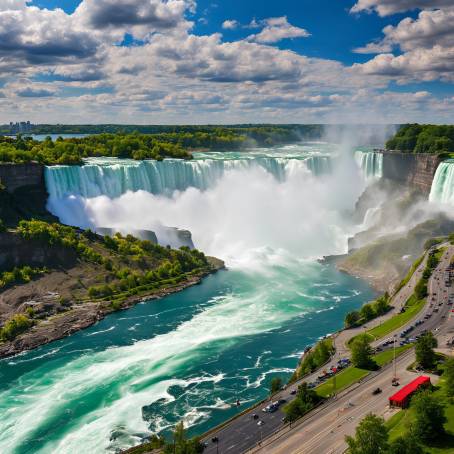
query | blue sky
[170, 61]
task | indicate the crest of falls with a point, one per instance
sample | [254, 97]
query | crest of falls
[443, 184]
[370, 162]
[113, 177]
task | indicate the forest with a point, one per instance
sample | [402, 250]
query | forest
[415, 138]
[164, 142]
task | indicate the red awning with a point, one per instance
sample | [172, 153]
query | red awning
[409, 389]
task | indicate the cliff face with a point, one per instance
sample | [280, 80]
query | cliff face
[15, 176]
[25, 195]
[414, 170]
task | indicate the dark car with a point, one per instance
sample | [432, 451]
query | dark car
[255, 416]
[376, 391]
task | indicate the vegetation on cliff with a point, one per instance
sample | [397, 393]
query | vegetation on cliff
[415, 138]
[80, 266]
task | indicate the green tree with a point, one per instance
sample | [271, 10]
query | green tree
[351, 319]
[429, 416]
[449, 376]
[367, 312]
[425, 354]
[371, 437]
[276, 385]
[405, 445]
[362, 353]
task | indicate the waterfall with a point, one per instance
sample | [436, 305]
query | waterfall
[443, 184]
[370, 162]
[114, 177]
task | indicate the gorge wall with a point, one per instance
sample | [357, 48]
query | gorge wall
[15, 176]
[415, 170]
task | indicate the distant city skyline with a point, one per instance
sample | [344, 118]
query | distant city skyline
[203, 61]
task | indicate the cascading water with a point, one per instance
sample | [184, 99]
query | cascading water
[442, 190]
[191, 355]
[371, 163]
[114, 177]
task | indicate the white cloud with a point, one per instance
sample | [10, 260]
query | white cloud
[177, 76]
[276, 29]
[427, 45]
[388, 7]
[230, 24]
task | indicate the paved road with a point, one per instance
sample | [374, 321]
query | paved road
[325, 429]
[243, 433]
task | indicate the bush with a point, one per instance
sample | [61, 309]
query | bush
[13, 327]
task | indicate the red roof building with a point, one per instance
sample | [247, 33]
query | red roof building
[402, 397]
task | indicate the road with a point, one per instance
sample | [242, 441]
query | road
[243, 433]
[324, 430]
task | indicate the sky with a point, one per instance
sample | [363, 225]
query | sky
[236, 61]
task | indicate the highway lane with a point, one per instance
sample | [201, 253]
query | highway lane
[243, 433]
[324, 432]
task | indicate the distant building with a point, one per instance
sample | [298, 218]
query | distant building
[23, 127]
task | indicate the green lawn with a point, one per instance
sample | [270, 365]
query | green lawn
[400, 423]
[387, 356]
[343, 380]
[398, 320]
[352, 374]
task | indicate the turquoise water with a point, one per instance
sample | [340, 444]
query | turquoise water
[188, 356]
[269, 214]
[442, 190]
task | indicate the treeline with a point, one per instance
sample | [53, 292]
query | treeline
[415, 138]
[368, 312]
[314, 358]
[162, 142]
[73, 151]
[255, 131]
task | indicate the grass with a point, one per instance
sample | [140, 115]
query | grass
[353, 374]
[400, 423]
[410, 273]
[413, 308]
[387, 356]
[343, 380]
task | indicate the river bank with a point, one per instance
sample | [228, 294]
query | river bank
[87, 314]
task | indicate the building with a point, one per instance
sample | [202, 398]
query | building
[402, 397]
[20, 128]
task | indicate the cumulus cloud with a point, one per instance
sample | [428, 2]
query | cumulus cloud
[276, 29]
[388, 7]
[171, 74]
[427, 45]
[230, 24]
[138, 17]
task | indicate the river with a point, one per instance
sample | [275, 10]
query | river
[189, 356]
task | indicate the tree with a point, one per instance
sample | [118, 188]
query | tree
[449, 376]
[351, 319]
[425, 354]
[429, 416]
[367, 312]
[405, 445]
[276, 385]
[371, 437]
[362, 353]
[305, 400]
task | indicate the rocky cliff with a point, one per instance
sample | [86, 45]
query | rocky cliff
[15, 176]
[414, 170]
